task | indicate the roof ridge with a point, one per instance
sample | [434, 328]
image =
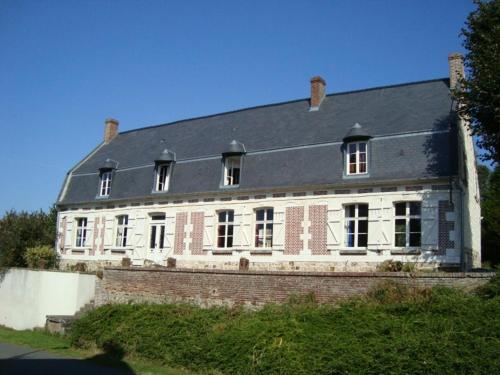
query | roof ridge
[285, 102]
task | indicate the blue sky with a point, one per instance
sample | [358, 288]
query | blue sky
[67, 65]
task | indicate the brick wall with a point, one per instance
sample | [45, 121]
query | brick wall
[252, 288]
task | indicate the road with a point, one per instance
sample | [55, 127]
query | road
[22, 360]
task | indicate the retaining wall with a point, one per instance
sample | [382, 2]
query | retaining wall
[27, 296]
[256, 288]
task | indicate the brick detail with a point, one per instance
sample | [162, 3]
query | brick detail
[243, 198]
[178, 201]
[445, 227]
[180, 233]
[95, 236]
[413, 188]
[317, 229]
[209, 200]
[387, 189]
[342, 191]
[260, 196]
[320, 192]
[193, 200]
[366, 190]
[279, 195]
[198, 223]
[299, 194]
[103, 231]
[62, 235]
[293, 230]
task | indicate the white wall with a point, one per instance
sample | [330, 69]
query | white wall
[27, 296]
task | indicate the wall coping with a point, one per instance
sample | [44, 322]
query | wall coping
[413, 275]
[47, 270]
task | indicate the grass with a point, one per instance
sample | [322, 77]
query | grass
[58, 344]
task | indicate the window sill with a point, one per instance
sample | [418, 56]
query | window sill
[221, 251]
[261, 251]
[406, 251]
[353, 252]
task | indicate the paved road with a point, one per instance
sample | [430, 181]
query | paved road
[22, 360]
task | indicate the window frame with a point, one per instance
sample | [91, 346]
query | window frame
[121, 233]
[265, 222]
[105, 183]
[357, 162]
[226, 224]
[162, 223]
[356, 219]
[81, 232]
[407, 217]
[166, 182]
[226, 168]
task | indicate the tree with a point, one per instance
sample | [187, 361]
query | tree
[480, 93]
[490, 226]
[19, 231]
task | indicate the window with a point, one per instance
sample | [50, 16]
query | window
[356, 158]
[407, 224]
[162, 177]
[121, 231]
[264, 227]
[225, 229]
[81, 232]
[105, 183]
[232, 166]
[157, 232]
[356, 225]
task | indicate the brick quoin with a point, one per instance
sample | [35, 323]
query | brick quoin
[95, 236]
[317, 230]
[294, 230]
[103, 231]
[180, 234]
[198, 222]
[62, 238]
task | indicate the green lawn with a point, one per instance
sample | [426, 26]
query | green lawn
[39, 339]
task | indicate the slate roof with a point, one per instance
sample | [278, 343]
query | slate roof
[286, 145]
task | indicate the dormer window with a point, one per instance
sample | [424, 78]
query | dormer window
[356, 158]
[232, 159]
[356, 151]
[162, 177]
[163, 170]
[105, 188]
[232, 167]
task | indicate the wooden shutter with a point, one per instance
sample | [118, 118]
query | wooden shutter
[278, 229]
[208, 237]
[334, 232]
[430, 225]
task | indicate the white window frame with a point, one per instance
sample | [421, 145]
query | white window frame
[407, 216]
[226, 225]
[265, 222]
[81, 233]
[357, 158]
[356, 219]
[162, 181]
[121, 231]
[105, 185]
[232, 163]
[157, 223]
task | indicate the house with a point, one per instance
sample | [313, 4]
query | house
[338, 182]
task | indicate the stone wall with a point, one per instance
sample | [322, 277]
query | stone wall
[256, 288]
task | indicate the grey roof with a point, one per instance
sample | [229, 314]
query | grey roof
[355, 133]
[286, 144]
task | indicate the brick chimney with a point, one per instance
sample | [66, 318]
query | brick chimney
[110, 129]
[456, 63]
[318, 86]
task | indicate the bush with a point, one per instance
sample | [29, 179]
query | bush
[43, 257]
[401, 330]
[390, 266]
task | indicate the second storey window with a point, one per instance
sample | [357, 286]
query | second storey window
[121, 230]
[356, 225]
[105, 187]
[225, 229]
[232, 166]
[407, 224]
[264, 227]
[81, 232]
[356, 158]
[162, 177]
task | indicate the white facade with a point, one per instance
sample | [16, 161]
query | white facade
[441, 242]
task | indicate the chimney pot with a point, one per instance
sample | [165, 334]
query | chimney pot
[110, 129]
[318, 86]
[456, 63]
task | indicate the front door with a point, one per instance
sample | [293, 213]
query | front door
[157, 234]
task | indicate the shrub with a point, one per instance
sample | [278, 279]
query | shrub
[43, 257]
[490, 289]
[390, 266]
[400, 330]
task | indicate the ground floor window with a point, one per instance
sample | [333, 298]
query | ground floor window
[157, 232]
[81, 232]
[225, 229]
[356, 225]
[121, 231]
[264, 227]
[407, 224]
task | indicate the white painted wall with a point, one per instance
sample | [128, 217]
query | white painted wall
[27, 296]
